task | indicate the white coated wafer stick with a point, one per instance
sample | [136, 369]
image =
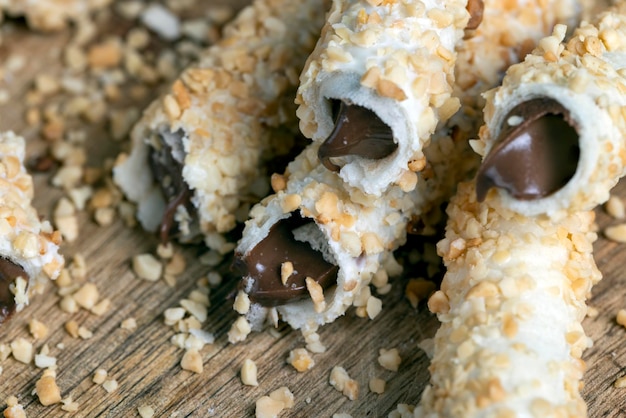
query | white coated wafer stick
[394, 58]
[224, 118]
[339, 225]
[511, 306]
[561, 114]
[28, 246]
[307, 184]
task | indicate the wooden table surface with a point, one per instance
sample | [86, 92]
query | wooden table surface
[147, 366]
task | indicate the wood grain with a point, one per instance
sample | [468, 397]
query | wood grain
[147, 366]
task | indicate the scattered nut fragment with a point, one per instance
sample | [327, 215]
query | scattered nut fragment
[69, 405]
[14, 409]
[43, 361]
[249, 373]
[192, 361]
[129, 324]
[84, 333]
[242, 303]
[377, 385]
[101, 307]
[239, 330]
[621, 317]
[145, 411]
[5, 352]
[620, 382]
[147, 267]
[615, 207]
[616, 233]
[272, 405]
[37, 329]
[87, 296]
[389, 359]
[47, 390]
[110, 385]
[300, 359]
[592, 312]
[340, 380]
[99, 376]
[22, 350]
[71, 327]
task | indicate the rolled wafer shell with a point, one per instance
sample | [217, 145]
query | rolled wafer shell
[222, 121]
[560, 116]
[511, 306]
[395, 59]
[29, 247]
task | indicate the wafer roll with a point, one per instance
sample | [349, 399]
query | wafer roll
[511, 306]
[50, 15]
[553, 135]
[28, 246]
[207, 141]
[312, 248]
[508, 31]
[378, 83]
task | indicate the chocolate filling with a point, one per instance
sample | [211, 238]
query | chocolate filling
[168, 172]
[261, 266]
[8, 273]
[358, 131]
[534, 158]
[475, 9]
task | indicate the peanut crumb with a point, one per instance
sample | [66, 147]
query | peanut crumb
[110, 385]
[377, 385]
[22, 350]
[300, 359]
[99, 376]
[621, 317]
[47, 390]
[340, 380]
[37, 329]
[249, 373]
[192, 361]
[129, 324]
[273, 404]
[147, 267]
[389, 359]
[145, 411]
[69, 405]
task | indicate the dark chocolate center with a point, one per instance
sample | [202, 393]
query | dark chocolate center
[168, 172]
[475, 9]
[358, 131]
[261, 266]
[8, 273]
[535, 157]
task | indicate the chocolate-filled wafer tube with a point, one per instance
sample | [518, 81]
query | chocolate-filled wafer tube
[269, 240]
[511, 306]
[309, 250]
[553, 138]
[199, 152]
[29, 247]
[507, 32]
[389, 65]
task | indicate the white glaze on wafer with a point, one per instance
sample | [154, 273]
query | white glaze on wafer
[25, 240]
[395, 58]
[226, 116]
[586, 76]
[511, 306]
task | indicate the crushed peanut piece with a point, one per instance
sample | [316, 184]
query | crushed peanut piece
[340, 380]
[147, 267]
[22, 350]
[300, 359]
[110, 385]
[99, 376]
[69, 405]
[37, 329]
[377, 385]
[87, 296]
[192, 361]
[249, 373]
[129, 324]
[389, 359]
[47, 390]
[145, 411]
[621, 317]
